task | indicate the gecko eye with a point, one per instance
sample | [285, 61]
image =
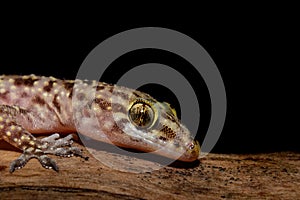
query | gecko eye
[141, 114]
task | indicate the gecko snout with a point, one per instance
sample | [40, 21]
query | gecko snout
[192, 151]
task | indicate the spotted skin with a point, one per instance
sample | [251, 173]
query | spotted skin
[108, 113]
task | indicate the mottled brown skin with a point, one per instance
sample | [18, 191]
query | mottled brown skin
[108, 113]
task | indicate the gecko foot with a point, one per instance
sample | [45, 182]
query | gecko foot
[20, 162]
[53, 140]
[50, 145]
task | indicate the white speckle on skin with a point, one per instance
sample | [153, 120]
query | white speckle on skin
[13, 87]
[108, 108]
[52, 78]
[12, 127]
[8, 133]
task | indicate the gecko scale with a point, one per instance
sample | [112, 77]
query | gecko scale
[109, 113]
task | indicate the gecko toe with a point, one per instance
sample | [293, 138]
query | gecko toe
[66, 152]
[53, 142]
[20, 162]
[48, 163]
[50, 138]
[16, 164]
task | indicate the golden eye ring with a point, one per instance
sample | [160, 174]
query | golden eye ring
[141, 114]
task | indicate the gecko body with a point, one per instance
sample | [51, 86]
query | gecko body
[108, 113]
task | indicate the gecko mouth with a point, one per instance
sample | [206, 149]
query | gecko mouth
[152, 143]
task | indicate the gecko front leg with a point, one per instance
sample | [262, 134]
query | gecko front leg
[49, 145]
[16, 135]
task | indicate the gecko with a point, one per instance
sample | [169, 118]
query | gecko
[121, 116]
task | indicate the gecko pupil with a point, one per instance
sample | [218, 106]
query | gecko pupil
[142, 115]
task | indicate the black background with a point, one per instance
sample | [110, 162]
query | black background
[254, 56]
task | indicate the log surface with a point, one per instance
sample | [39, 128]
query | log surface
[216, 176]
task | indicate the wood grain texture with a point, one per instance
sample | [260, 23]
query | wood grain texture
[217, 176]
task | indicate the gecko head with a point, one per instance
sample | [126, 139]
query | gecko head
[158, 126]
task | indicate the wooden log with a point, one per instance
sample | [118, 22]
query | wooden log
[216, 176]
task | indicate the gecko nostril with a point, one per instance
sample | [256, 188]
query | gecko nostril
[191, 146]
